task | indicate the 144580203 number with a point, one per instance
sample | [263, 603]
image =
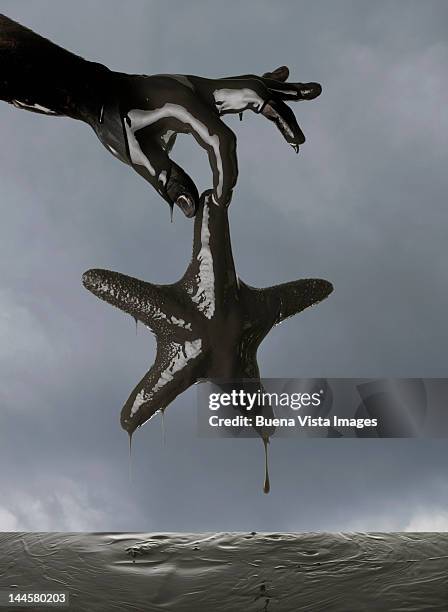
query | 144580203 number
[21, 599]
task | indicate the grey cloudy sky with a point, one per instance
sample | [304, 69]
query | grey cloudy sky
[363, 205]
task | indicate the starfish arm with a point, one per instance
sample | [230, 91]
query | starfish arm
[284, 301]
[154, 305]
[174, 370]
[295, 296]
[210, 278]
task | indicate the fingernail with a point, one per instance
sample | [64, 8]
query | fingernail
[186, 204]
[311, 91]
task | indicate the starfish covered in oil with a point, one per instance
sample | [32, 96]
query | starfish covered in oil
[209, 324]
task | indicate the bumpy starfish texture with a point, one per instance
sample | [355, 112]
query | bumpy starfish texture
[209, 324]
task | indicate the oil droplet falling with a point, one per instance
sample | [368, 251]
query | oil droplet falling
[130, 457]
[136, 325]
[267, 484]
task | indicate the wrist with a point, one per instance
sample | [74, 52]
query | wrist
[37, 74]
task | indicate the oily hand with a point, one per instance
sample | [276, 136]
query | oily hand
[141, 116]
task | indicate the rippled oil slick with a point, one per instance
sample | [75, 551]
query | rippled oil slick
[237, 572]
